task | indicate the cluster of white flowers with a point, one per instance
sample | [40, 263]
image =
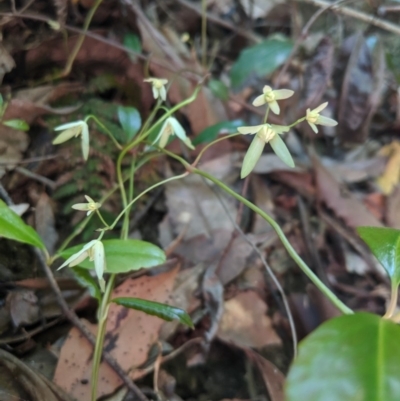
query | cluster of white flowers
[269, 133]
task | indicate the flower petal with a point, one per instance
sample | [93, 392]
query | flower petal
[251, 158]
[281, 150]
[67, 135]
[155, 92]
[313, 126]
[259, 101]
[81, 206]
[329, 122]
[320, 107]
[267, 89]
[250, 130]
[78, 256]
[283, 94]
[279, 129]
[274, 107]
[85, 141]
[163, 92]
[89, 199]
[99, 259]
[177, 128]
[164, 134]
[69, 125]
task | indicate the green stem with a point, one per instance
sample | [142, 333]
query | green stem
[177, 177]
[204, 33]
[266, 115]
[393, 301]
[303, 266]
[142, 137]
[81, 38]
[125, 226]
[98, 349]
[106, 226]
[110, 134]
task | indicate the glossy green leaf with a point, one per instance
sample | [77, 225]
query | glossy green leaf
[385, 245]
[219, 89]
[352, 357]
[18, 124]
[163, 311]
[85, 279]
[130, 121]
[261, 60]
[13, 227]
[212, 132]
[132, 42]
[123, 256]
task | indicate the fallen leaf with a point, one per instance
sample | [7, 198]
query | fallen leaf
[273, 378]
[341, 200]
[130, 334]
[391, 176]
[245, 322]
[45, 222]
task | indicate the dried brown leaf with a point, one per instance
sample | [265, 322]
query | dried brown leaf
[340, 200]
[130, 334]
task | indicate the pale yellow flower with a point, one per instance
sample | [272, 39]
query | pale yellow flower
[271, 96]
[158, 87]
[90, 207]
[313, 118]
[94, 250]
[71, 130]
[170, 127]
[265, 133]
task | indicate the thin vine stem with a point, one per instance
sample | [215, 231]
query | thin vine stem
[98, 349]
[294, 255]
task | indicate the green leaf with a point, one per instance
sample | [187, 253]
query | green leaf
[123, 256]
[352, 357]
[163, 311]
[13, 227]
[212, 132]
[385, 245]
[84, 278]
[18, 124]
[261, 59]
[219, 89]
[130, 121]
[132, 42]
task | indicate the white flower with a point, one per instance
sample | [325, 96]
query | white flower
[313, 118]
[95, 251]
[271, 96]
[265, 133]
[158, 86]
[70, 130]
[90, 207]
[170, 127]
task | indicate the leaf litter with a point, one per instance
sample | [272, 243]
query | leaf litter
[221, 283]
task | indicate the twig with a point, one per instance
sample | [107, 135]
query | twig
[350, 12]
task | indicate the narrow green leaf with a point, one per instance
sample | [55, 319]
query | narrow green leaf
[132, 42]
[163, 311]
[13, 227]
[130, 121]
[385, 245]
[219, 89]
[212, 132]
[261, 59]
[20, 125]
[84, 278]
[123, 256]
[352, 357]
